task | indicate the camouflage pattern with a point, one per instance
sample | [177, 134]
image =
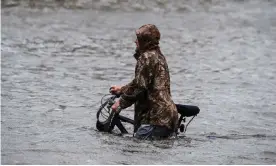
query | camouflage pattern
[150, 89]
[148, 36]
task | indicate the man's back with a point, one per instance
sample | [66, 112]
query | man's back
[158, 107]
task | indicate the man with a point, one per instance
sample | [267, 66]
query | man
[155, 113]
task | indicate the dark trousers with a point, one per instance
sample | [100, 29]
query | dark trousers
[153, 132]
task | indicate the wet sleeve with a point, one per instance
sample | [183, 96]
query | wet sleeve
[127, 88]
[139, 84]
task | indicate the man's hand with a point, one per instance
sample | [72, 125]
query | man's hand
[115, 89]
[115, 106]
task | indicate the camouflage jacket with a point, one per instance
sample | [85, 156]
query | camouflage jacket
[154, 105]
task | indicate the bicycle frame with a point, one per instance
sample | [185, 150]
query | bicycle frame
[114, 119]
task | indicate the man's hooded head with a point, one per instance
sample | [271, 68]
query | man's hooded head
[148, 37]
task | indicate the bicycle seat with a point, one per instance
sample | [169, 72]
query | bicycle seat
[187, 110]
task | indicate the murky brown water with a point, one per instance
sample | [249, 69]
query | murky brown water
[57, 64]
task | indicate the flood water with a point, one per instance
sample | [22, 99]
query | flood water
[56, 64]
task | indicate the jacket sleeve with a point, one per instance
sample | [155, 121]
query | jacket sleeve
[127, 88]
[138, 85]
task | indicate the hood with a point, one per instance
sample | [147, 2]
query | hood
[148, 37]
